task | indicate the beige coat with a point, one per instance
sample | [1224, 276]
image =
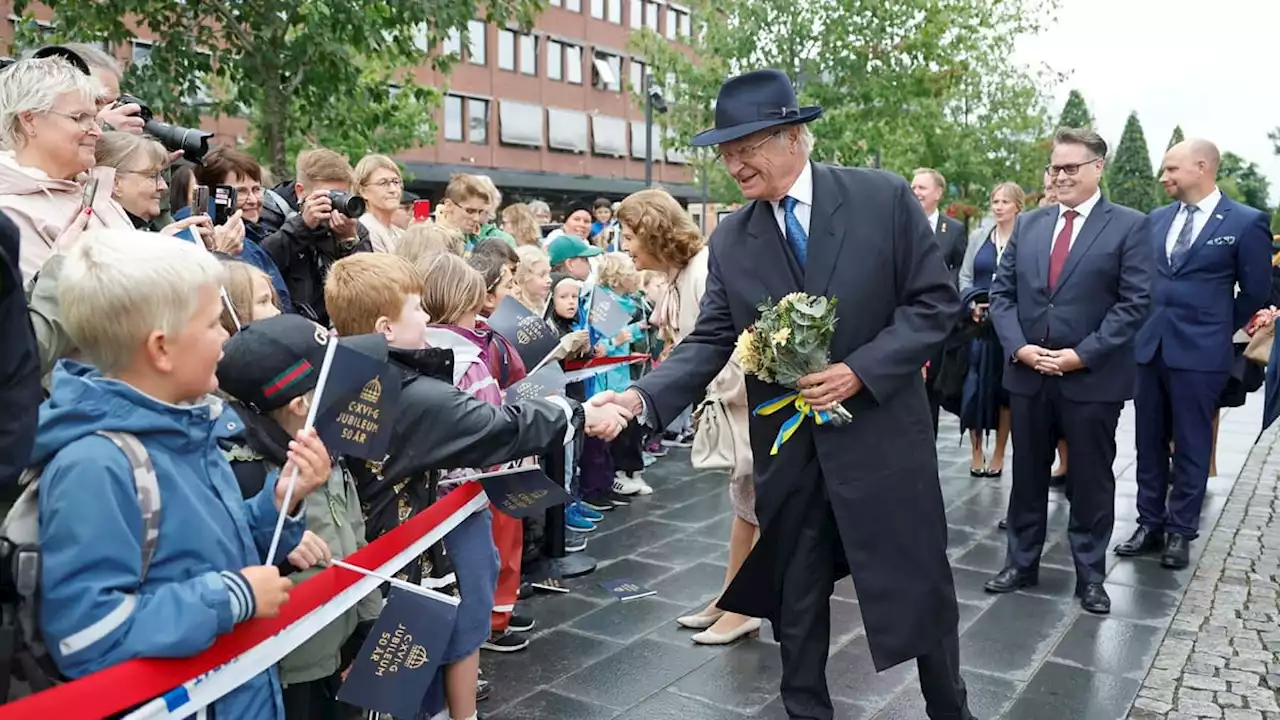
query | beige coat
[42, 207]
[382, 237]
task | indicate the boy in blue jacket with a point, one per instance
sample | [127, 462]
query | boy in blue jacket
[145, 309]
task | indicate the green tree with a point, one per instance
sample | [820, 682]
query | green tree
[337, 73]
[1244, 182]
[1176, 137]
[907, 84]
[1075, 112]
[1129, 174]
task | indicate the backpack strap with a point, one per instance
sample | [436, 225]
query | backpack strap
[147, 487]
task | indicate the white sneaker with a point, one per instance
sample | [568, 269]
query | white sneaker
[644, 486]
[624, 485]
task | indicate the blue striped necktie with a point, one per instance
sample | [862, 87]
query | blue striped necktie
[797, 238]
[1183, 242]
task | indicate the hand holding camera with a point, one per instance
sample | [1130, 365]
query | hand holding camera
[126, 117]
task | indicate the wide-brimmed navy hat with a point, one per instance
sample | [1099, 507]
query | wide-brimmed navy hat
[752, 102]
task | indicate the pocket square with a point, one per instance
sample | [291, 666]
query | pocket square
[1223, 240]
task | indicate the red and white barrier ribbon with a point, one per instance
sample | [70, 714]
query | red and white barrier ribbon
[181, 687]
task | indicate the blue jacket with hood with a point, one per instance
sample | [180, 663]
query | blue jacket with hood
[94, 613]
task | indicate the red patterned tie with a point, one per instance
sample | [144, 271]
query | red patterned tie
[1061, 246]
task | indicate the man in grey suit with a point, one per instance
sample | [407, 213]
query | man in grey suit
[863, 498]
[928, 186]
[1071, 293]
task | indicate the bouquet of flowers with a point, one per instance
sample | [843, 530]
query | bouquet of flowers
[791, 339]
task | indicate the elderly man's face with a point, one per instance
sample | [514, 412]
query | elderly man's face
[766, 163]
[927, 191]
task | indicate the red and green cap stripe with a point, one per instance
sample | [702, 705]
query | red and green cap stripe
[290, 376]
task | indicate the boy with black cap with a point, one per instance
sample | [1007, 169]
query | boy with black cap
[270, 369]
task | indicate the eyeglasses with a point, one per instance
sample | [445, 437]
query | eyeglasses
[1070, 169]
[86, 121]
[388, 183]
[245, 191]
[155, 176]
[745, 153]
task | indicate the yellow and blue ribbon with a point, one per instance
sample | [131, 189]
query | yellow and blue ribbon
[792, 399]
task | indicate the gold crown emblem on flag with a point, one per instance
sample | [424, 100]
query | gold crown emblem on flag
[417, 658]
[372, 391]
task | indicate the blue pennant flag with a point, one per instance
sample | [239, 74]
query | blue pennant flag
[361, 395]
[401, 657]
[522, 492]
[607, 315]
[547, 381]
[532, 337]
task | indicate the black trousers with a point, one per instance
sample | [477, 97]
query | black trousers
[628, 449]
[804, 630]
[1089, 428]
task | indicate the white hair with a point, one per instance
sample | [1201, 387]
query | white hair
[33, 86]
[119, 286]
[95, 57]
[538, 206]
[805, 140]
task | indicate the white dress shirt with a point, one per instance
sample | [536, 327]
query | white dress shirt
[1204, 209]
[933, 220]
[802, 191]
[1085, 209]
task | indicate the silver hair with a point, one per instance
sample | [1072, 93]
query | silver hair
[538, 206]
[805, 140]
[96, 57]
[33, 86]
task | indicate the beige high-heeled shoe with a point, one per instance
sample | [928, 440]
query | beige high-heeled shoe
[750, 628]
[701, 621]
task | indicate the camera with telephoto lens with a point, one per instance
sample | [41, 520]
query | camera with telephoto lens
[194, 144]
[350, 205]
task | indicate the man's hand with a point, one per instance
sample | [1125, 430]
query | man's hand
[628, 399]
[1058, 362]
[606, 421]
[317, 208]
[123, 118]
[979, 312]
[270, 591]
[311, 551]
[342, 226]
[309, 456]
[824, 390]
[1031, 355]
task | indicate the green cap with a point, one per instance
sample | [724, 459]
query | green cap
[567, 247]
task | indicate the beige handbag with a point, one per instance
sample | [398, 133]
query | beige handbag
[1259, 348]
[713, 441]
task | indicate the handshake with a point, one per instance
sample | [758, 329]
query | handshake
[607, 413]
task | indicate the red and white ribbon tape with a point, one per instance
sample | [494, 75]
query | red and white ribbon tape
[181, 687]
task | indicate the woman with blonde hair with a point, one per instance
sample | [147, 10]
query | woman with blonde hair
[378, 181]
[984, 404]
[659, 235]
[421, 243]
[519, 222]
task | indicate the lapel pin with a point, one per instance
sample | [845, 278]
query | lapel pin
[1217, 216]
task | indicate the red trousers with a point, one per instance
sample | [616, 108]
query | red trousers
[508, 537]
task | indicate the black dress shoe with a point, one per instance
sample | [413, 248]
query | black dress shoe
[1094, 599]
[1177, 552]
[1143, 541]
[1010, 579]
[1003, 524]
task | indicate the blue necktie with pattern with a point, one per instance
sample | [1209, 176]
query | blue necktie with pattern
[1183, 242]
[797, 238]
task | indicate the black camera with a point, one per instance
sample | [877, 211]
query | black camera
[194, 144]
[350, 205]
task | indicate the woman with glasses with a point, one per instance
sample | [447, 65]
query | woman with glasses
[378, 181]
[48, 116]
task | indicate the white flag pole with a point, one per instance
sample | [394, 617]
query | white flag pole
[311, 421]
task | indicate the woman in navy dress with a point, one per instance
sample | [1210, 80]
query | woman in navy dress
[984, 405]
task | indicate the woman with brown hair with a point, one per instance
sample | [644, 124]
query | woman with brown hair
[660, 236]
[518, 221]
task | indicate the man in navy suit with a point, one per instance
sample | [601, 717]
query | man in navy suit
[1072, 291]
[1204, 245]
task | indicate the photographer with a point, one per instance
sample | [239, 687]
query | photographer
[106, 69]
[310, 242]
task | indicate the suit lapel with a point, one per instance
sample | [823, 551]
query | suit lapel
[769, 255]
[1041, 238]
[1160, 234]
[825, 241]
[1093, 226]
[1216, 218]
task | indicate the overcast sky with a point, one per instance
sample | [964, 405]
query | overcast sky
[1209, 65]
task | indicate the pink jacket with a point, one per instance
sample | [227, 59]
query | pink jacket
[42, 207]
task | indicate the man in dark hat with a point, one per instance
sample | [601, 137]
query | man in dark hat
[861, 498]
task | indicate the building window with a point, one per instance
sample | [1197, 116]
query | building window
[554, 3]
[506, 50]
[607, 72]
[637, 77]
[528, 55]
[573, 64]
[453, 43]
[597, 9]
[573, 5]
[615, 12]
[651, 10]
[673, 23]
[140, 52]
[520, 124]
[555, 52]
[476, 36]
[686, 25]
[453, 118]
[637, 14]
[478, 121]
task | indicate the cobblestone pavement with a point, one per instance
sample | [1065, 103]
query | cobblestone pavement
[1031, 655]
[1221, 656]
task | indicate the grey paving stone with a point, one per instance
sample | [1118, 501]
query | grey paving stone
[547, 704]
[626, 621]
[1063, 692]
[632, 674]
[1013, 635]
[670, 706]
[1109, 645]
